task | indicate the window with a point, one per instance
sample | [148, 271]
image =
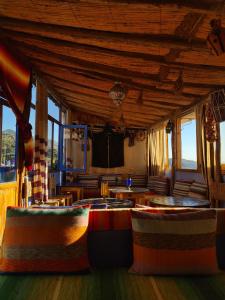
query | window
[187, 145]
[168, 150]
[56, 117]
[53, 109]
[33, 109]
[222, 148]
[8, 134]
[76, 136]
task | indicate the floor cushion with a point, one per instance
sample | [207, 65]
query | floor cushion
[174, 243]
[45, 240]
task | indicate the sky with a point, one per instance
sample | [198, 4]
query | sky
[222, 134]
[188, 138]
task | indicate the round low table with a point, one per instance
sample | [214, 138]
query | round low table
[123, 192]
[166, 201]
[97, 203]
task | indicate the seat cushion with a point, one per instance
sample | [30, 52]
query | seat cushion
[182, 243]
[181, 188]
[45, 240]
[198, 190]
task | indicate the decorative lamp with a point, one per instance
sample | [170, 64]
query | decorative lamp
[169, 127]
[117, 93]
[216, 38]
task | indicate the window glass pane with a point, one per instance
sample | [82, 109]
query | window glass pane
[55, 147]
[53, 109]
[188, 142]
[49, 143]
[32, 120]
[8, 151]
[222, 140]
[33, 94]
[170, 149]
[8, 137]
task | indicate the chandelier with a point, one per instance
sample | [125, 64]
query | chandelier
[117, 93]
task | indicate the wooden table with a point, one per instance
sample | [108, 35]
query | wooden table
[126, 193]
[63, 200]
[167, 201]
[79, 190]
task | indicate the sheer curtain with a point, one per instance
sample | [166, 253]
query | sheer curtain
[156, 150]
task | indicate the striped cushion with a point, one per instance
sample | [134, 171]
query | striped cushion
[174, 243]
[139, 180]
[181, 188]
[45, 240]
[198, 190]
[159, 184]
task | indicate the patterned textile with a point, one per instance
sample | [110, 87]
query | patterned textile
[40, 179]
[159, 185]
[198, 190]
[45, 240]
[181, 188]
[112, 284]
[139, 180]
[109, 219]
[174, 243]
[111, 179]
[69, 175]
[15, 80]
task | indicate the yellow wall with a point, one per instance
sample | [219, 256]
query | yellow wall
[8, 197]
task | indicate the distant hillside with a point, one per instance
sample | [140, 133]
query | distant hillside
[9, 132]
[189, 164]
[186, 164]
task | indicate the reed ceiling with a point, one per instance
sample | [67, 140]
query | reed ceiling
[80, 48]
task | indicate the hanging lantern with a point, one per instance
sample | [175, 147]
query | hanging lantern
[216, 38]
[211, 133]
[169, 127]
[117, 93]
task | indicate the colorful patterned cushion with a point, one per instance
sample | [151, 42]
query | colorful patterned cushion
[174, 243]
[45, 240]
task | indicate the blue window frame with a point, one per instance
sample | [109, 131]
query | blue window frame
[74, 136]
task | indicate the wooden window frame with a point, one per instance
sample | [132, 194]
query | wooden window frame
[178, 143]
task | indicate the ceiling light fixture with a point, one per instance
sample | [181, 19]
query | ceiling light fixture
[117, 93]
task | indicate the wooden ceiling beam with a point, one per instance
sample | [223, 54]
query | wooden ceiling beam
[141, 43]
[100, 54]
[85, 81]
[107, 103]
[200, 5]
[131, 97]
[96, 72]
[129, 64]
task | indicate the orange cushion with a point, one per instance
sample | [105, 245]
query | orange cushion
[45, 240]
[174, 243]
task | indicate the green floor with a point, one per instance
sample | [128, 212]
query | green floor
[111, 285]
